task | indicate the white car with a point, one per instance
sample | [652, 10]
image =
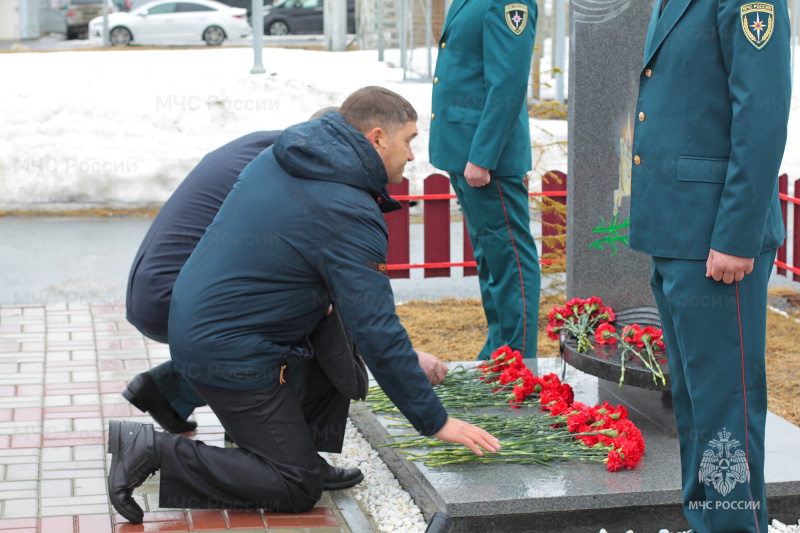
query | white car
[174, 22]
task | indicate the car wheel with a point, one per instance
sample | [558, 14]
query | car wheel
[278, 27]
[71, 34]
[120, 37]
[214, 35]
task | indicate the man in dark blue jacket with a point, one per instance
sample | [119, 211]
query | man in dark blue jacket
[301, 230]
[169, 242]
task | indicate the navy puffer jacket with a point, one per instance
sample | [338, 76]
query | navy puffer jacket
[301, 229]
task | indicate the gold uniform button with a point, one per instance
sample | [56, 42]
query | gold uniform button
[443, 45]
[647, 72]
[641, 116]
[433, 116]
[435, 81]
[637, 160]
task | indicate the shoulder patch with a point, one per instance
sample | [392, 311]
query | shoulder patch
[758, 23]
[517, 17]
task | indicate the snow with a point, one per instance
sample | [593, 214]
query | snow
[123, 128]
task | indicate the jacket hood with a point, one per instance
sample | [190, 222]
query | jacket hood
[330, 149]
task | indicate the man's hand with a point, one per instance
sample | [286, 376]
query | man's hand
[433, 368]
[476, 176]
[728, 268]
[459, 432]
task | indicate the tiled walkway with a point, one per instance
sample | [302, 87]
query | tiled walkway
[62, 368]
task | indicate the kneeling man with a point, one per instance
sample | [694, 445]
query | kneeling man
[301, 230]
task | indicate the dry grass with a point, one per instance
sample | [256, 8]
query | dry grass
[455, 330]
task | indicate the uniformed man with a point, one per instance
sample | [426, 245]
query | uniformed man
[480, 134]
[301, 230]
[713, 110]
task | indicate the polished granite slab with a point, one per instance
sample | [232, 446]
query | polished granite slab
[581, 497]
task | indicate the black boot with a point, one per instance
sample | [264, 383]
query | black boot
[133, 459]
[334, 477]
[143, 393]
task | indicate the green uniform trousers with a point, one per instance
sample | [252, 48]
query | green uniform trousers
[715, 336]
[499, 225]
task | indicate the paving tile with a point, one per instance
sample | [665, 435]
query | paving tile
[5, 415]
[137, 364]
[22, 472]
[57, 401]
[57, 455]
[73, 438]
[109, 365]
[94, 524]
[112, 386]
[9, 368]
[59, 425]
[6, 525]
[56, 488]
[7, 390]
[75, 501]
[86, 399]
[72, 474]
[207, 521]
[245, 520]
[117, 410]
[73, 411]
[99, 509]
[89, 453]
[26, 440]
[90, 486]
[9, 347]
[84, 376]
[167, 521]
[19, 508]
[58, 524]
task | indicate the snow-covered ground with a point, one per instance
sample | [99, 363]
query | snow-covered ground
[125, 127]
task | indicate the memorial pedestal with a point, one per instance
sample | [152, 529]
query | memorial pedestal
[574, 497]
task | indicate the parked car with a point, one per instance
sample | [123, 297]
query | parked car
[80, 12]
[301, 16]
[171, 22]
[247, 4]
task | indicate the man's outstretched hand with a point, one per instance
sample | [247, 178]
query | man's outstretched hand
[728, 268]
[476, 176]
[433, 368]
[459, 432]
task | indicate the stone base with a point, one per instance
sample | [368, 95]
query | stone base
[574, 497]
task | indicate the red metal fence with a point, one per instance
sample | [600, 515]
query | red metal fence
[780, 262]
[436, 211]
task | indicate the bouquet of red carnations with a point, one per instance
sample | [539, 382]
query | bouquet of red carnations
[579, 318]
[573, 431]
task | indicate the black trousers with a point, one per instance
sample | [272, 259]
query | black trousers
[275, 466]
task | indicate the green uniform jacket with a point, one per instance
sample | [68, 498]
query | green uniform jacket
[710, 130]
[479, 111]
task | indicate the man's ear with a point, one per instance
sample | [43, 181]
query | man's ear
[377, 138]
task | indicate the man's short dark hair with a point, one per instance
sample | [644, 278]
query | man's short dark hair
[377, 107]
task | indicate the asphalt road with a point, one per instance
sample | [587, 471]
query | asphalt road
[51, 260]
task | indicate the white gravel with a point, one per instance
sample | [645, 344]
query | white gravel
[380, 493]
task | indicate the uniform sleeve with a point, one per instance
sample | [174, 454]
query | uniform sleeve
[759, 84]
[350, 261]
[507, 65]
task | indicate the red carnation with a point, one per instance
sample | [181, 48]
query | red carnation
[614, 462]
[604, 334]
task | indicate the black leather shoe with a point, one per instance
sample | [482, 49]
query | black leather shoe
[334, 477]
[133, 459]
[143, 393]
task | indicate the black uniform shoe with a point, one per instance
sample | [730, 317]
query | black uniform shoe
[334, 477]
[133, 459]
[143, 393]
